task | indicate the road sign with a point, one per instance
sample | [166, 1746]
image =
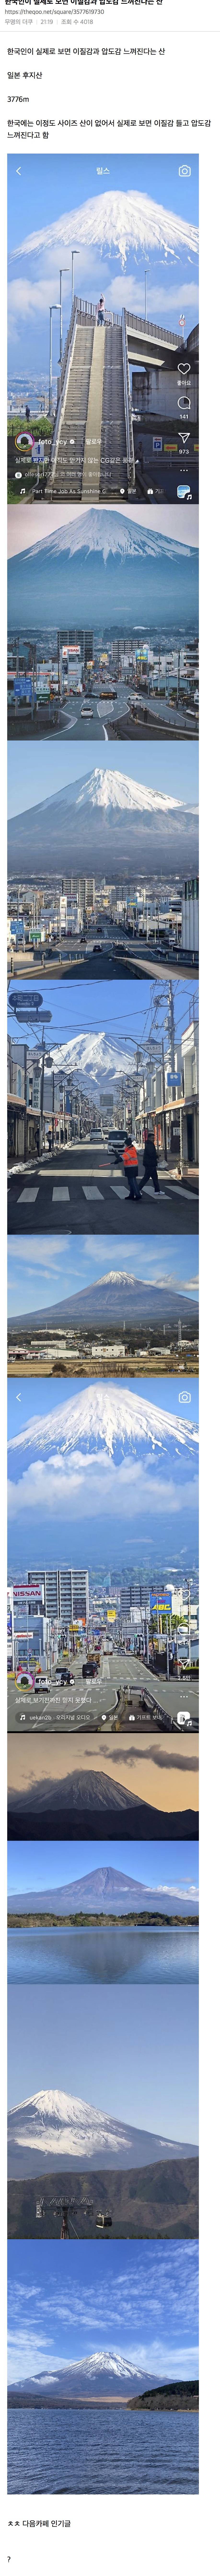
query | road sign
[23, 686]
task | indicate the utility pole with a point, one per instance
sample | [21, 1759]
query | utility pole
[41, 1098]
[189, 1623]
[164, 1107]
[167, 1650]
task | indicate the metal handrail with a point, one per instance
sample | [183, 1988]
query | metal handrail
[128, 410]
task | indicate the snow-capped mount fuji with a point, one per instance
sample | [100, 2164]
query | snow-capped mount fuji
[102, 569]
[111, 788]
[108, 1416]
[55, 2128]
[99, 2374]
[136, 828]
[118, 220]
[105, 1891]
[109, 533]
[117, 1298]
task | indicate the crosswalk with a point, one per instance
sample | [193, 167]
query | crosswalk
[63, 1202]
[61, 1191]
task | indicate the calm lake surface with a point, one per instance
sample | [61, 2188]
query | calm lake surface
[104, 1957]
[101, 2451]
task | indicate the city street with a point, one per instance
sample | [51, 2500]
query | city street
[118, 955]
[106, 718]
[114, 1696]
[80, 1186]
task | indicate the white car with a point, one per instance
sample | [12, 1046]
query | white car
[183, 1717]
[42, 1683]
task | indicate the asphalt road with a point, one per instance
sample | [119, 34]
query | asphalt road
[80, 1187]
[114, 1695]
[106, 716]
[122, 957]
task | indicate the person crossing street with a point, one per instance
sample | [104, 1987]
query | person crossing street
[130, 1162]
[150, 1172]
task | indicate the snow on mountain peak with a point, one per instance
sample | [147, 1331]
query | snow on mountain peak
[105, 1415]
[107, 532]
[118, 220]
[61, 2122]
[111, 787]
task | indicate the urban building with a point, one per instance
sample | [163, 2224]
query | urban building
[190, 914]
[66, 1592]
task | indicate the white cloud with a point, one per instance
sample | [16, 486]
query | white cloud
[94, 1485]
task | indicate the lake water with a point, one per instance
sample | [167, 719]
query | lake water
[104, 1957]
[101, 2451]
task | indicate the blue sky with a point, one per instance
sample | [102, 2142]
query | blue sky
[125, 1020]
[40, 1865]
[138, 2060]
[94, 1508]
[39, 1273]
[172, 768]
[141, 2301]
[42, 198]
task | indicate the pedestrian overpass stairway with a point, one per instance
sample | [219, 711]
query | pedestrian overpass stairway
[114, 472]
[90, 453]
[69, 456]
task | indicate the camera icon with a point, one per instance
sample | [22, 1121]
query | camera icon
[184, 169]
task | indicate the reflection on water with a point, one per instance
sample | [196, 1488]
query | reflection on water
[105, 1957]
[101, 2450]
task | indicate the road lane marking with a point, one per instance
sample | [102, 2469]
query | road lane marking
[91, 1193]
[61, 1193]
[117, 1190]
[28, 1196]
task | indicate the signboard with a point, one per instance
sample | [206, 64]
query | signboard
[75, 1626]
[157, 446]
[111, 1615]
[162, 1603]
[27, 1591]
[171, 447]
[23, 686]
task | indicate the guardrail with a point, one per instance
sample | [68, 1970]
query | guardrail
[128, 409]
[153, 331]
[62, 383]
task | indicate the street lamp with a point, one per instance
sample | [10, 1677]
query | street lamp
[54, 308]
[145, 294]
[64, 272]
[74, 255]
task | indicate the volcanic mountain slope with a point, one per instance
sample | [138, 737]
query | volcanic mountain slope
[106, 822]
[87, 1803]
[100, 2374]
[99, 568]
[117, 1298]
[102, 1891]
[121, 220]
[108, 1416]
[54, 2125]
